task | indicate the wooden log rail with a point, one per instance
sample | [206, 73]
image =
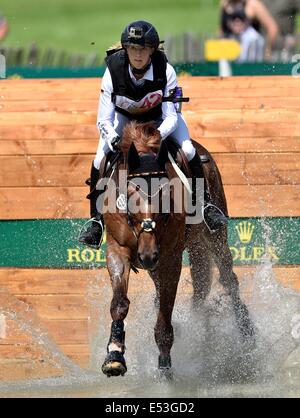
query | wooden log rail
[48, 137]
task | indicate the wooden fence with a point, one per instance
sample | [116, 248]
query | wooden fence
[48, 138]
[183, 48]
[33, 56]
[189, 47]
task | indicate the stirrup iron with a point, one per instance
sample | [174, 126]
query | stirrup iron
[205, 206]
[84, 227]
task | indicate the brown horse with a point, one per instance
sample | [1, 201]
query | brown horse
[155, 240]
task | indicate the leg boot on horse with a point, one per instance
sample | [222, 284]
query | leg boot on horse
[114, 363]
[119, 269]
[213, 217]
[93, 235]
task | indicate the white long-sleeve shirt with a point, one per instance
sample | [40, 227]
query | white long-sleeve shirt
[106, 110]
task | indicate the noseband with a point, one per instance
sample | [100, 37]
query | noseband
[148, 225]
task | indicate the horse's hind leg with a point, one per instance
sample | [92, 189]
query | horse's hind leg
[201, 269]
[156, 282]
[223, 259]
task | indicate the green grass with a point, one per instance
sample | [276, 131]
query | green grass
[73, 25]
[94, 25]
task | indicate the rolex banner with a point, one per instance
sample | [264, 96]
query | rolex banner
[53, 243]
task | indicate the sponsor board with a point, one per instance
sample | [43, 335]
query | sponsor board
[53, 243]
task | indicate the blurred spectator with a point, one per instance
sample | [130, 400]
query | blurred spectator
[3, 27]
[244, 20]
[285, 14]
[252, 43]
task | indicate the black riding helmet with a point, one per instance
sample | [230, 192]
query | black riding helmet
[140, 33]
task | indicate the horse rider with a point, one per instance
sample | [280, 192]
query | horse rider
[137, 78]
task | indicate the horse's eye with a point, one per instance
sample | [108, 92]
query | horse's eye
[137, 188]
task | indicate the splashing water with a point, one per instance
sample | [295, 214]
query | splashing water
[209, 358]
[27, 321]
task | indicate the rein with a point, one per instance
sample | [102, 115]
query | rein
[139, 190]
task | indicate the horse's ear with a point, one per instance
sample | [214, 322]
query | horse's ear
[133, 158]
[162, 156]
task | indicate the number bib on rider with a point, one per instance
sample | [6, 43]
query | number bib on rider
[150, 101]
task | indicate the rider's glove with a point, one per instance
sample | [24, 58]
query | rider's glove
[114, 143]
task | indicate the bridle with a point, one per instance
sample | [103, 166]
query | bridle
[148, 224]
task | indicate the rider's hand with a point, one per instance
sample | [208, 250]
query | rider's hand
[114, 143]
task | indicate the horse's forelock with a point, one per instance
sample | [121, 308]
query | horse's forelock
[145, 137]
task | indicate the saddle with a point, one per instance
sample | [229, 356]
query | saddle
[112, 158]
[180, 158]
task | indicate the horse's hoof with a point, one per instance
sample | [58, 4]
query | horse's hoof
[166, 373]
[114, 364]
[114, 368]
[165, 367]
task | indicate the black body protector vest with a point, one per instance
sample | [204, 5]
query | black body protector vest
[142, 103]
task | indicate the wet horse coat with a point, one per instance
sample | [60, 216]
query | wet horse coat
[156, 241]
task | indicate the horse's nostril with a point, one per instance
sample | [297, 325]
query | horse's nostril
[148, 260]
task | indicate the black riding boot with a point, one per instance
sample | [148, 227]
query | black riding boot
[213, 217]
[93, 235]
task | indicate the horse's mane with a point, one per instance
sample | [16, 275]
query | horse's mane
[145, 137]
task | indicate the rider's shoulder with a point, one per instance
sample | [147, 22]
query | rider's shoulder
[115, 54]
[170, 71]
[116, 60]
[114, 48]
[106, 76]
[159, 59]
[160, 52]
[170, 67]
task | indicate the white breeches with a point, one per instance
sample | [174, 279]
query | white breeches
[180, 135]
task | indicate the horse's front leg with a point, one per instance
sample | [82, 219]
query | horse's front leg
[168, 277]
[118, 265]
